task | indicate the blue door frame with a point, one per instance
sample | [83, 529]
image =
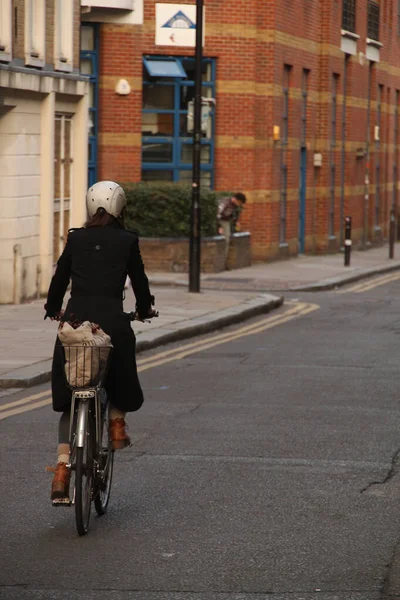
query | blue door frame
[93, 76]
[302, 202]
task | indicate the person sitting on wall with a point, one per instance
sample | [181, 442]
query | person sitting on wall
[228, 212]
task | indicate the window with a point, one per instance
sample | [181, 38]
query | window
[164, 68]
[167, 119]
[349, 15]
[335, 87]
[63, 35]
[373, 20]
[5, 30]
[35, 33]
[285, 141]
[304, 96]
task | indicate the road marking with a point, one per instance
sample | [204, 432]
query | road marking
[371, 284]
[220, 336]
[299, 310]
[382, 281]
[22, 409]
[374, 283]
[162, 358]
[24, 400]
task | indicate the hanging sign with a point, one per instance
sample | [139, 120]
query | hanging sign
[176, 25]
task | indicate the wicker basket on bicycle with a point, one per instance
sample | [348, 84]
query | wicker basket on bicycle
[87, 349]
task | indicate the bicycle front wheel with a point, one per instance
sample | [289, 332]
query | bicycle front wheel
[84, 474]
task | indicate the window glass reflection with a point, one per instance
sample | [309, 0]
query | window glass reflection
[159, 97]
[157, 153]
[157, 124]
[187, 177]
[150, 175]
[187, 154]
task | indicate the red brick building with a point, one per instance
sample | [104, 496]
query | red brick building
[306, 119]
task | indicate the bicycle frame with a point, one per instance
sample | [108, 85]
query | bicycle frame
[84, 397]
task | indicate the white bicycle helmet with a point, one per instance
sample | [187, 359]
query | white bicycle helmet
[108, 195]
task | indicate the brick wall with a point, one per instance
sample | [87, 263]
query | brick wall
[252, 40]
[172, 255]
[239, 255]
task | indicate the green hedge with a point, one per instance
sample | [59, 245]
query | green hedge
[163, 209]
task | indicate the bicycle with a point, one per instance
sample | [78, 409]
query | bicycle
[91, 453]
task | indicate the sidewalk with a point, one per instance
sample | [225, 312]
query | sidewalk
[27, 340]
[226, 298]
[304, 273]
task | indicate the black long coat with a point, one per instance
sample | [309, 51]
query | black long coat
[97, 261]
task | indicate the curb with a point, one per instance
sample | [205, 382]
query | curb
[336, 282]
[324, 284]
[154, 281]
[16, 380]
[40, 372]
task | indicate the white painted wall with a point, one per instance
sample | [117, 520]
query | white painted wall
[27, 185]
[19, 193]
[121, 17]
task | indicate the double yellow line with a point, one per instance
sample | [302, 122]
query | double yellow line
[162, 358]
[297, 310]
[20, 406]
[371, 284]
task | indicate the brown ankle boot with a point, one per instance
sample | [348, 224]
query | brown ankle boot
[119, 437]
[60, 485]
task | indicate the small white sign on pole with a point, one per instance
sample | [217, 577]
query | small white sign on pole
[206, 112]
[176, 25]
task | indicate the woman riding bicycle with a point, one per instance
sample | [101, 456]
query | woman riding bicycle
[97, 259]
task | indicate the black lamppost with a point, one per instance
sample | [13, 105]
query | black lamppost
[195, 241]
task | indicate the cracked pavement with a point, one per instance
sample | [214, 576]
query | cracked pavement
[265, 470]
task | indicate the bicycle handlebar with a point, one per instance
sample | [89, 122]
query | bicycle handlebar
[134, 316]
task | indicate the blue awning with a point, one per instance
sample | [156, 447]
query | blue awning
[164, 68]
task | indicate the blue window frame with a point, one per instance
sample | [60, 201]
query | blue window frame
[164, 68]
[90, 67]
[167, 140]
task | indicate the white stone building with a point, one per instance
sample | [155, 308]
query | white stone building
[43, 140]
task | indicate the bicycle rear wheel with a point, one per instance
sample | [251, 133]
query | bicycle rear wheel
[105, 467]
[84, 474]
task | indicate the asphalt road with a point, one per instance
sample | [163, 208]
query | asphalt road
[264, 467]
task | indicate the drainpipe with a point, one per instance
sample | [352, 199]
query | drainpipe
[343, 158]
[17, 274]
[367, 155]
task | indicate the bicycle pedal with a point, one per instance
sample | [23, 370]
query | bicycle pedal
[61, 502]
